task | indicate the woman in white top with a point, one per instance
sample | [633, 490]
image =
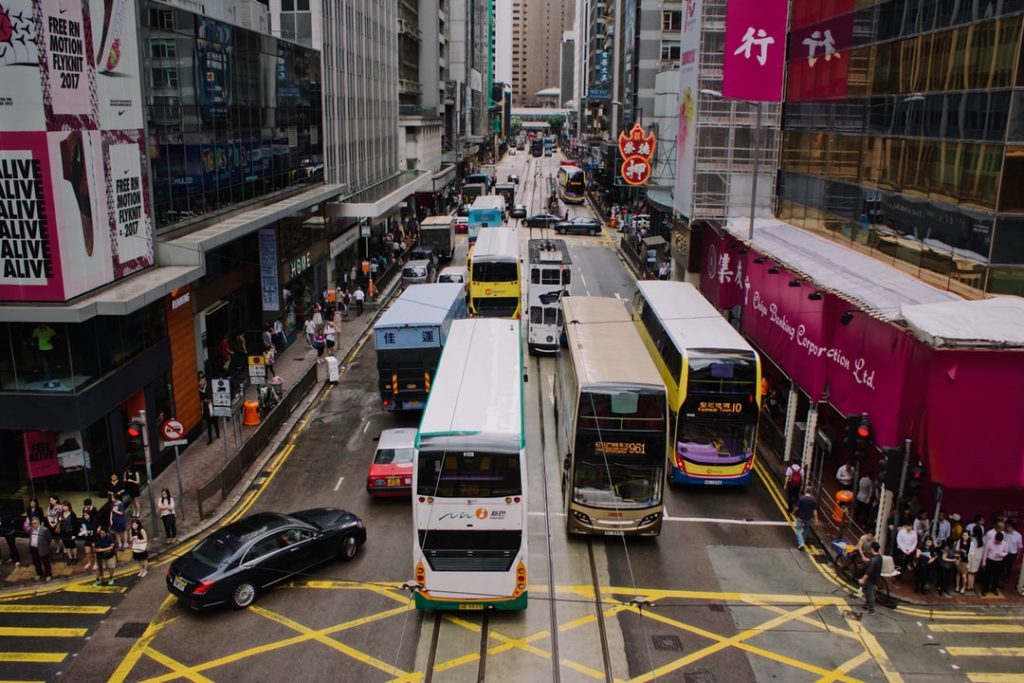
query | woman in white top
[165, 506]
[331, 333]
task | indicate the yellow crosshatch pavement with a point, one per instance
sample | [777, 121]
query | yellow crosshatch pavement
[865, 657]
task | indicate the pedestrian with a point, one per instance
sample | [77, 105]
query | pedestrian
[865, 494]
[224, 351]
[359, 296]
[792, 483]
[106, 556]
[331, 335]
[87, 535]
[922, 526]
[140, 546]
[844, 475]
[69, 533]
[310, 329]
[955, 528]
[975, 554]
[33, 510]
[168, 515]
[963, 550]
[318, 317]
[133, 488]
[924, 565]
[9, 528]
[806, 512]
[52, 522]
[39, 548]
[202, 384]
[279, 339]
[1013, 548]
[947, 567]
[269, 356]
[346, 301]
[872, 575]
[319, 341]
[992, 560]
[979, 520]
[241, 350]
[118, 525]
[267, 337]
[211, 422]
[906, 546]
[943, 529]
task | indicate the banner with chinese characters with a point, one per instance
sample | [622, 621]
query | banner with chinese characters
[819, 59]
[689, 86]
[74, 198]
[755, 50]
[637, 150]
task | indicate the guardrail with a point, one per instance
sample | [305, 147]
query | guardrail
[237, 464]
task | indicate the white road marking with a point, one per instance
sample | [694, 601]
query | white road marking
[726, 520]
[551, 388]
[617, 296]
[366, 426]
[582, 280]
[338, 485]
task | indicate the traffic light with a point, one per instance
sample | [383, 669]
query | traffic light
[133, 438]
[852, 423]
[892, 466]
[915, 477]
[858, 434]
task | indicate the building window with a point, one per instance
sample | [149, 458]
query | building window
[163, 48]
[165, 77]
[670, 50]
[671, 20]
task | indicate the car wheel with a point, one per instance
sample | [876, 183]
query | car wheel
[560, 231]
[243, 595]
[349, 547]
[592, 232]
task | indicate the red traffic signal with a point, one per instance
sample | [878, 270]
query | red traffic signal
[135, 429]
[864, 430]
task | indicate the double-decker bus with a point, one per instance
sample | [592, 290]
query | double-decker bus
[469, 478]
[713, 378]
[486, 212]
[612, 413]
[550, 269]
[494, 274]
[572, 183]
[537, 147]
[409, 337]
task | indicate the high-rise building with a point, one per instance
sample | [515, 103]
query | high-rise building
[537, 29]
[904, 137]
[567, 69]
[656, 47]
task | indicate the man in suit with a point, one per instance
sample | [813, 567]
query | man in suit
[39, 539]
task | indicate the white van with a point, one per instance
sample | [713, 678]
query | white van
[454, 274]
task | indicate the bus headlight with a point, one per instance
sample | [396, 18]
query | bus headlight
[582, 518]
[650, 519]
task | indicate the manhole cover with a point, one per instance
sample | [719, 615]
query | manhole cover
[699, 676]
[131, 629]
[716, 608]
[667, 643]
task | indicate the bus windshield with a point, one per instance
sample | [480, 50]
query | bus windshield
[627, 411]
[468, 474]
[714, 442]
[495, 272]
[720, 372]
[613, 484]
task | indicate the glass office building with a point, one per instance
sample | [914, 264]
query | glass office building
[904, 135]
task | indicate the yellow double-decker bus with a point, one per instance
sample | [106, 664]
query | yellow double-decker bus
[494, 274]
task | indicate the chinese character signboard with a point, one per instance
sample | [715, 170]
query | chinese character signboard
[686, 136]
[637, 150]
[819, 59]
[74, 196]
[755, 49]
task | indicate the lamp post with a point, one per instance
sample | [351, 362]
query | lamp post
[756, 140]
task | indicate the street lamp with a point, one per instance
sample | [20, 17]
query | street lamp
[715, 94]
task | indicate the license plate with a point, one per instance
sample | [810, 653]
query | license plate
[180, 583]
[414, 404]
[713, 482]
[471, 606]
[394, 481]
[613, 533]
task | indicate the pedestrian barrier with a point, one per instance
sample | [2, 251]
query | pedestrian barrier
[237, 464]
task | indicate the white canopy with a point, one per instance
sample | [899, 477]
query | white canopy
[989, 322]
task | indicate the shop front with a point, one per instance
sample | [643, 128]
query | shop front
[304, 273]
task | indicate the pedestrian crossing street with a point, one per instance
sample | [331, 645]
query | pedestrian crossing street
[983, 646]
[40, 634]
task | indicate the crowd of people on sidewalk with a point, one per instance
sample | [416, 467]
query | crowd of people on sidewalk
[58, 533]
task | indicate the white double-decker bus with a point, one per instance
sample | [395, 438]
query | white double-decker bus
[469, 480]
[550, 273]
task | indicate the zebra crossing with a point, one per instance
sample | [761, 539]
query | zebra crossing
[982, 647]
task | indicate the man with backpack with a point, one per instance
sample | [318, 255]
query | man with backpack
[792, 484]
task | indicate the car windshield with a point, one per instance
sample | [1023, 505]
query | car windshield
[414, 272]
[394, 456]
[216, 550]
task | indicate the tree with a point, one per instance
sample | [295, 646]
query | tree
[517, 125]
[556, 122]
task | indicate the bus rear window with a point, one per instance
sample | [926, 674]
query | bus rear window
[468, 474]
[622, 411]
[495, 272]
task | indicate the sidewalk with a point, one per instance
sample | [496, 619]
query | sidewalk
[200, 460]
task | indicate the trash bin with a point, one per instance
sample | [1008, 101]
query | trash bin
[841, 513]
[333, 369]
[251, 413]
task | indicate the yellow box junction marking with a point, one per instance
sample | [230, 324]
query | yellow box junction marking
[41, 632]
[15, 608]
[985, 651]
[33, 657]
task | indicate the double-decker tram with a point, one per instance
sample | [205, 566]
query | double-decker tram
[550, 270]
[469, 478]
[713, 378]
[494, 274]
[612, 415]
[572, 183]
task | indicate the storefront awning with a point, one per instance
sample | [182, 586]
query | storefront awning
[997, 323]
[378, 201]
[127, 296]
[876, 287]
[654, 241]
[661, 199]
[443, 177]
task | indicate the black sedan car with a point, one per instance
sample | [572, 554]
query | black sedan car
[518, 211]
[542, 220]
[233, 564]
[582, 225]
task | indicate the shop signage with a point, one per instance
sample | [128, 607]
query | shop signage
[268, 270]
[257, 370]
[343, 242]
[41, 454]
[755, 49]
[179, 298]
[299, 265]
[70, 451]
[637, 151]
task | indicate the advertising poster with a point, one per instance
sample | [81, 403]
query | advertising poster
[689, 87]
[70, 108]
[71, 454]
[268, 270]
[213, 62]
[40, 454]
[755, 49]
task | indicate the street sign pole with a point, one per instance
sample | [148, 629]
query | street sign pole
[181, 490]
[149, 472]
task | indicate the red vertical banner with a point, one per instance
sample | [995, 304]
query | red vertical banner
[755, 50]
[41, 454]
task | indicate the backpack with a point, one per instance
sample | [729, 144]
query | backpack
[796, 478]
